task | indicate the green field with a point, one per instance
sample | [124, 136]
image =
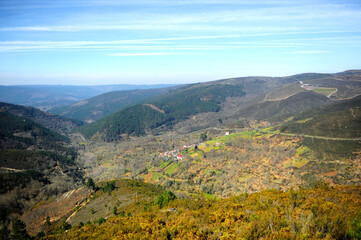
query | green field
[324, 91]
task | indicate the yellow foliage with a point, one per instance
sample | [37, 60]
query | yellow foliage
[319, 213]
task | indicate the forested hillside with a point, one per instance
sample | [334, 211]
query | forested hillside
[35, 163]
[97, 107]
[166, 109]
[228, 99]
[56, 123]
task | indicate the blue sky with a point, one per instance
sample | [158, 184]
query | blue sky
[88, 42]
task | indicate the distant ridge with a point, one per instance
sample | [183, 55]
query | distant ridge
[46, 97]
[97, 107]
[232, 98]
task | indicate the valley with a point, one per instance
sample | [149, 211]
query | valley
[236, 158]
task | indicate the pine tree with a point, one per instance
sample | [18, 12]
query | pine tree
[90, 184]
[19, 230]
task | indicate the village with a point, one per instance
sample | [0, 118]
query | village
[176, 154]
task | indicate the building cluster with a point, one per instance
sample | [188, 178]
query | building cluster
[176, 153]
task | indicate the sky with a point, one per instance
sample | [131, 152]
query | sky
[96, 42]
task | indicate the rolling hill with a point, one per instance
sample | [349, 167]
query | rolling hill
[317, 212]
[95, 108]
[241, 136]
[166, 109]
[46, 97]
[339, 120]
[284, 108]
[222, 99]
[35, 163]
[56, 123]
[303, 136]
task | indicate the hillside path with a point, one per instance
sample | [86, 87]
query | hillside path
[318, 137]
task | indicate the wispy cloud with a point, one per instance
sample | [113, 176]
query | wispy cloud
[177, 43]
[308, 52]
[138, 54]
[9, 4]
[223, 19]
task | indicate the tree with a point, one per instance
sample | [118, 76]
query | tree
[65, 226]
[115, 210]
[19, 230]
[90, 184]
[354, 230]
[92, 211]
[101, 220]
[109, 187]
[203, 136]
[47, 222]
[40, 234]
[165, 198]
[4, 233]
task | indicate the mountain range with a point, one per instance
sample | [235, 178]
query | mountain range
[180, 150]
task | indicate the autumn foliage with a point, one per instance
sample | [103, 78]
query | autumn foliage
[322, 212]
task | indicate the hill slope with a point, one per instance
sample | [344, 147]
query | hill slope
[321, 143]
[225, 96]
[35, 163]
[166, 109]
[315, 213]
[341, 119]
[298, 102]
[97, 107]
[53, 122]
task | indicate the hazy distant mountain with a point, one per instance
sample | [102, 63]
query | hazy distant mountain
[46, 97]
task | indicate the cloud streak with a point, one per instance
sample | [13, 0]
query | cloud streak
[200, 43]
[138, 54]
[205, 19]
[309, 52]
